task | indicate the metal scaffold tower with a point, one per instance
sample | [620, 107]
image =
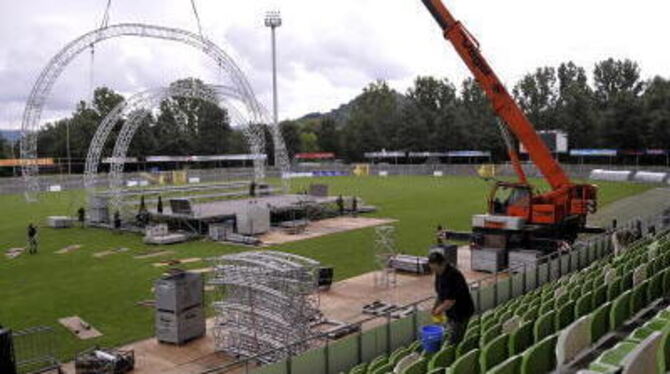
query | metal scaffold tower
[385, 249]
[268, 300]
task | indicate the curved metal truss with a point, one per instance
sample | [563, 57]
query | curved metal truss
[133, 111]
[42, 88]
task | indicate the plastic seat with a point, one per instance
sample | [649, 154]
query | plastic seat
[544, 326]
[531, 314]
[600, 322]
[383, 369]
[638, 298]
[417, 367]
[620, 310]
[546, 308]
[540, 358]
[600, 296]
[655, 287]
[443, 358]
[467, 345]
[522, 338]
[377, 362]
[398, 354]
[490, 334]
[666, 282]
[584, 305]
[510, 366]
[468, 363]
[565, 315]
[573, 339]
[494, 352]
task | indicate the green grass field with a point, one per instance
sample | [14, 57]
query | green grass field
[37, 290]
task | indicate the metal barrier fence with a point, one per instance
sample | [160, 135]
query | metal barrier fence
[487, 293]
[35, 350]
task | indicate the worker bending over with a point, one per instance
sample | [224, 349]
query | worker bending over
[453, 296]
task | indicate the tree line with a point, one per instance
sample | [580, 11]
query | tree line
[615, 108]
[612, 107]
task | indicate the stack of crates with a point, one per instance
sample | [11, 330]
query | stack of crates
[180, 314]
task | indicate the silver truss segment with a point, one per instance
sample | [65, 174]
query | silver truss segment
[269, 300]
[132, 112]
[41, 90]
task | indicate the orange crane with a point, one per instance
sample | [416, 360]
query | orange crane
[519, 217]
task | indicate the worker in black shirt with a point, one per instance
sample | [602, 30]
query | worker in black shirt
[453, 296]
[32, 239]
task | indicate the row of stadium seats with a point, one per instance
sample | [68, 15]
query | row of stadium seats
[532, 333]
[645, 350]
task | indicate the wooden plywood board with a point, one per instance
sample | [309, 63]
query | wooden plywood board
[79, 327]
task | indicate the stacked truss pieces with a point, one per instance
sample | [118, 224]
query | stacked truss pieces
[268, 301]
[385, 249]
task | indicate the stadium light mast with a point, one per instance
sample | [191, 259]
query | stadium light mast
[273, 20]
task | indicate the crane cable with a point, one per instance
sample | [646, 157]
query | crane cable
[197, 19]
[103, 24]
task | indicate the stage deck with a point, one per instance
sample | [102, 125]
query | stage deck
[228, 208]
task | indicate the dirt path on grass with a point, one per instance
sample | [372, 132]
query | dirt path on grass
[649, 203]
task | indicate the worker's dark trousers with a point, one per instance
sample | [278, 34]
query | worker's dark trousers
[456, 330]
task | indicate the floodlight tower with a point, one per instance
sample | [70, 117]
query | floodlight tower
[273, 20]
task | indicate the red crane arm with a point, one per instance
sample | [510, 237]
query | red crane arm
[502, 102]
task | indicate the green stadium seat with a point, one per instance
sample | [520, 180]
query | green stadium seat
[531, 314]
[467, 345]
[584, 305]
[437, 371]
[398, 354]
[614, 289]
[490, 334]
[488, 324]
[522, 338]
[544, 326]
[510, 366]
[638, 298]
[565, 315]
[418, 367]
[546, 308]
[627, 281]
[540, 358]
[643, 332]
[655, 287]
[575, 293]
[377, 362]
[600, 295]
[468, 363]
[562, 299]
[443, 358]
[587, 286]
[600, 322]
[493, 353]
[620, 310]
[666, 282]
[359, 369]
[383, 369]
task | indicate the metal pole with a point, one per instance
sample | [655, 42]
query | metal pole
[67, 147]
[274, 76]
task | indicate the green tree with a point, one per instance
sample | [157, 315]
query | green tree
[617, 91]
[656, 104]
[291, 133]
[373, 119]
[328, 136]
[537, 95]
[576, 106]
[476, 116]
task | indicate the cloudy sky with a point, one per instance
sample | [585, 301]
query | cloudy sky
[328, 50]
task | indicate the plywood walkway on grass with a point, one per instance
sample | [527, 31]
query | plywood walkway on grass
[343, 302]
[323, 227]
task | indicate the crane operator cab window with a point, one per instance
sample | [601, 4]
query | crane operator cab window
[507, 196]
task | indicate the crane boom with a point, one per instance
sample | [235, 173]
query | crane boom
[503, 103]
